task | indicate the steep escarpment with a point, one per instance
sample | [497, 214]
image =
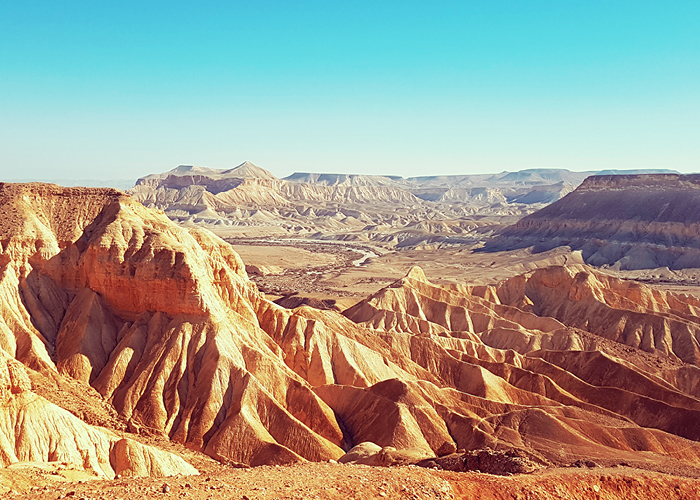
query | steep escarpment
[630, 221]
[163, 323]
[160, 320]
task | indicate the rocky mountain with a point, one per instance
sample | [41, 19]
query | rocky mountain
[390, 211]
[348, 180]
[161, 321]
[626, 221]
[249, 201]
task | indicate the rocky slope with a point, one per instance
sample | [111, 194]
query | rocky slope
[162, 322]
[627, 221]
[541, 338]
[34, 430]
[388, 210]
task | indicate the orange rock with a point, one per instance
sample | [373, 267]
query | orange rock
[163, 322]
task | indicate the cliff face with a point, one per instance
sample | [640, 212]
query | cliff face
[163, 323]
[636, 221]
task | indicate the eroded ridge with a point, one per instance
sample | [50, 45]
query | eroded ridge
[557, 365]
[631, 222]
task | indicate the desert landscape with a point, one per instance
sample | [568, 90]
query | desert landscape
[349, 250]
[265, 367]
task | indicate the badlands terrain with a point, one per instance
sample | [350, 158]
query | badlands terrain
[388, 211]
[335, 237]
[137, 353]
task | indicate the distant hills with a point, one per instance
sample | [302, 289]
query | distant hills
[389, 210]
[515, 186]
[627, 221]
[250, 170]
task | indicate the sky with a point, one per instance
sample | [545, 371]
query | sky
[119, 90]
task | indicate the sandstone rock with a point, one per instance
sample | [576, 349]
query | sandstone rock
[159, 319]
[162, 321]
[391, 414]
[359, 452]
[450, 325]
[34, 430]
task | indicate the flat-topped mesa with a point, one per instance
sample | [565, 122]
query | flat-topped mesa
[639, 198]
[347, 179]
[642, 181]
[638, 221]
[64, 211]
[210, 179]
[390, 210]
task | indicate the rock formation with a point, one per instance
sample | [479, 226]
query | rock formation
[626, 221]
[35, 430]
[160, 320]
[387, 210]
[541, 341]
[163, 323]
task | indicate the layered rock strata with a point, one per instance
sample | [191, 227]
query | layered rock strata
[627, 221]
[163, 322]
[387, 210]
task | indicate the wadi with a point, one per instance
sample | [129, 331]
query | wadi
[138, 358]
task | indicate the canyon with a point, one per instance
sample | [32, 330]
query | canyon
[148, 345]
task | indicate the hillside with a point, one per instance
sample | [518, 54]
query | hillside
[626, 221]
[554, 366]
[387, 211]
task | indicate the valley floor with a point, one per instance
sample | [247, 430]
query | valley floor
[326, 271]
[337, 481]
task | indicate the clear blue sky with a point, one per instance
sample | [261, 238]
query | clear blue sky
[107, 90]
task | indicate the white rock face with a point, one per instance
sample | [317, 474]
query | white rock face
[387, 210]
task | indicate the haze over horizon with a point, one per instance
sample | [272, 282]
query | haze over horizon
[95, 91]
